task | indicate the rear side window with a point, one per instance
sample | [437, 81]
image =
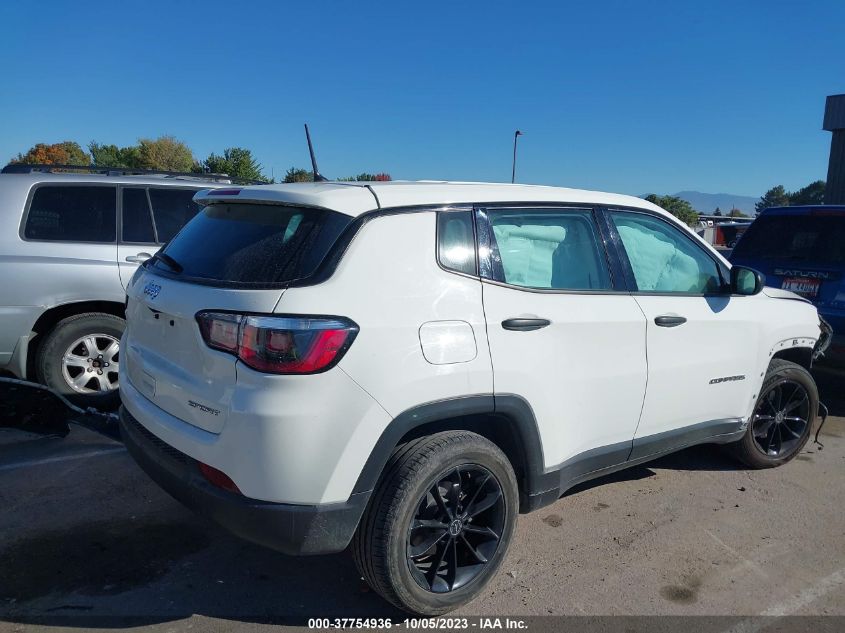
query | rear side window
[548, 248]
[172, 208]
[62, 213]
[253, 244]
[137, 221]
[456, 242]
[816, 238]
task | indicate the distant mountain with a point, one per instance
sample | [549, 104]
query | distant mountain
[707, 202]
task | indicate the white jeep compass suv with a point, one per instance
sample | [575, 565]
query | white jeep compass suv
[407, 366]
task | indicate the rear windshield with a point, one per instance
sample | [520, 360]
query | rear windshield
[252, 244]
[816, 238]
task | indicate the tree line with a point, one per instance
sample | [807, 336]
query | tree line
[777, 196]
[297, 174]
[166, 153]
[684, 211]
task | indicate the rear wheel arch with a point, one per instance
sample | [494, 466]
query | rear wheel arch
[54, 315]
[505, 420]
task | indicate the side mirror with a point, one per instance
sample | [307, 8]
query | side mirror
[746, 281]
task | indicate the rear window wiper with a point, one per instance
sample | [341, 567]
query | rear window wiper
[171, 263]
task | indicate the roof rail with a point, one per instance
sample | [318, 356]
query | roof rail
[28, 168]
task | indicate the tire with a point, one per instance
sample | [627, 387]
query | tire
[385, 538]
[782, 379]
[53, 372]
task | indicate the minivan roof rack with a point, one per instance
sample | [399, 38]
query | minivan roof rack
[28, 168]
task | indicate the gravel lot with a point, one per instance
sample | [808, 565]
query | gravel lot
[86, 540]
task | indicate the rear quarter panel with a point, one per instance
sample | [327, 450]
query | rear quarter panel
[390, 284]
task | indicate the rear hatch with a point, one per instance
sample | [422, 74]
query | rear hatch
[231, 258]
[801, 251]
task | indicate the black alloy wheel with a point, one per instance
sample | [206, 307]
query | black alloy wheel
[781, 418]
[456, 529]
[439, 522]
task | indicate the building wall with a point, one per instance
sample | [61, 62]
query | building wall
[834, 121]
[834, 193]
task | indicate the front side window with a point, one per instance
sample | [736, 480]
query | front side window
[555, 249]
[172, 208]
[63, 213]
[662, 258]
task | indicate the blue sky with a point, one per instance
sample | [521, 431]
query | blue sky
[634, 97]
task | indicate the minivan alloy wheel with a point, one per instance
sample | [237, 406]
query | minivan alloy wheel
[456, 529]
[781, 418]
[91, 364]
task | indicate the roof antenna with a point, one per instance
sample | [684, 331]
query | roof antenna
[318, 177]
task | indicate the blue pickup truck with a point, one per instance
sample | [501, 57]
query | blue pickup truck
[802, 249]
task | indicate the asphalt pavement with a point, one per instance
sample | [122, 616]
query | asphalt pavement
[87, 540]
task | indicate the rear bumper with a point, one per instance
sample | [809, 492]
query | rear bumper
[288, 528]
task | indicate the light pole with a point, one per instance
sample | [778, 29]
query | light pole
[513, 168]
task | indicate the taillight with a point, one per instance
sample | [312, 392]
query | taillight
[279, 345]
[220, 330]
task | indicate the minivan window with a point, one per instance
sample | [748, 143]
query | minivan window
[172, 208]
[548, 248]
[137, 226]
[253, 244]
[816, 238]
[662, 258]
[62, 213]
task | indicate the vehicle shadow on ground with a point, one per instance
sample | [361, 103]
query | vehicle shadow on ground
[705, 457]
[166, 567]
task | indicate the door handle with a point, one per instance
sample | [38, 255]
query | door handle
[669, 320]
[524, 325]
[140, 258]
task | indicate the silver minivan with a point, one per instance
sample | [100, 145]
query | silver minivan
[70, 240]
